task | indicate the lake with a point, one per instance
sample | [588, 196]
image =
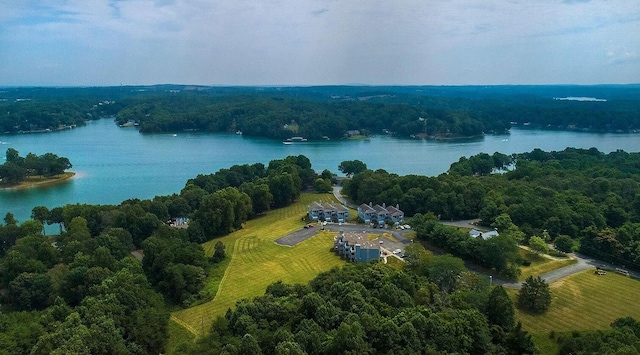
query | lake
[113, 164]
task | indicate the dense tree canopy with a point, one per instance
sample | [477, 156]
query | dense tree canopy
[16, 168]
[363, 309]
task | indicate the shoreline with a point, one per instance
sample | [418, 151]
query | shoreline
[39, 182]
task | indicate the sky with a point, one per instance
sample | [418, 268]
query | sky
[318, 42]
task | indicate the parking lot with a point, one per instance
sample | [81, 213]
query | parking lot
[388, 245]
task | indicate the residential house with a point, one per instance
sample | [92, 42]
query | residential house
[328, 212]
[396, 215]
[356, 247]
[380, 214]
[367, 213]
[479, 234]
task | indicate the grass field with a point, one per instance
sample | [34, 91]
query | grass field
[177, 335]
[256, 262]
[585, 301]
[540, 265]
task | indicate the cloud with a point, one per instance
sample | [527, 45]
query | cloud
[317, 41]
[622, 55]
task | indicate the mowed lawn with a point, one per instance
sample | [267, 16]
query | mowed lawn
[540, 264]
[256, 261]
[585, 301]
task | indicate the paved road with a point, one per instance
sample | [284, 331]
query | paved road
[342, 199]
[466, 223]
[303, 234]
[582, 262]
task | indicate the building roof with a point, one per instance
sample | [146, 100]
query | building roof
[341, 208]
[366, 208]
[328, 207]
[380, 209]
[486, 234]
[394, 211]
[315, 206]
[354, 238]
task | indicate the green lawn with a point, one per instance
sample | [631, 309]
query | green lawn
[256, 262]
[177, 335]
[395, 263]
[540, 265]
[585, 301]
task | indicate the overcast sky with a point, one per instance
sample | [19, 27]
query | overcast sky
[299, 42]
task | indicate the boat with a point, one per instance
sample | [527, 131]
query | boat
[294, 140]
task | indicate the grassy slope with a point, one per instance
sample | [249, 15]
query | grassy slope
[256, 261]
[581, 302]
[540, 265]
[177, 335]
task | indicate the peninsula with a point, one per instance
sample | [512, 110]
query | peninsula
[33, 170]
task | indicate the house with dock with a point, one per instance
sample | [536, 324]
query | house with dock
[331, 212]
[356, 247]
[380, 214]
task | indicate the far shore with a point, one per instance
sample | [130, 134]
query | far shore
[40, 181]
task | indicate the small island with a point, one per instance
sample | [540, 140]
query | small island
[33, 170]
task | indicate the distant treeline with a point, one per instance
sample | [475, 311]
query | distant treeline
[330, 111]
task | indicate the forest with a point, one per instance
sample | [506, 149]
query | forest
[326, 112]
[82, 291]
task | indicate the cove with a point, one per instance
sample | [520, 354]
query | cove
[113, 164]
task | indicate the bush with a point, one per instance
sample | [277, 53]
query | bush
[564, 243]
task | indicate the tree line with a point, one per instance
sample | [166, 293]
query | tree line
[16, 168]
[317, 112]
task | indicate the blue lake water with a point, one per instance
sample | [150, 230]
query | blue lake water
[113, 164]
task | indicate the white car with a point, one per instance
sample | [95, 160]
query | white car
[397, 251]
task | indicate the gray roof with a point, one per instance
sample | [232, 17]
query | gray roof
[366, 208]
[354, 238]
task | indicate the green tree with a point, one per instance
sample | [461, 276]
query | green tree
[30, 291]
[500, 309]
[218, 252]
[41, 214]
[534, 295]
[445, 270]
[352, 167]
[249, 346]
[322, 185]
[564, 243]
[538, 245]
